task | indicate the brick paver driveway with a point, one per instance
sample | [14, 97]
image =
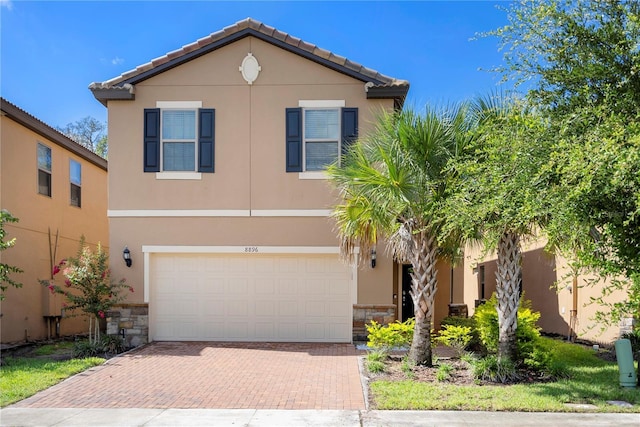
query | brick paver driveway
[216, 375]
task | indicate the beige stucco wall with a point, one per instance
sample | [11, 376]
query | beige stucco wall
[24, 308]
[547, 283]
[249, 166]
[250, 120]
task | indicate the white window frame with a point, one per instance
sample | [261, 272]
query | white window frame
[178, 175]
[50, 171]
[77, 184]
[325, 104]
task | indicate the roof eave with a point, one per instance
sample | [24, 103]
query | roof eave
[46, 131]
[397, 92]
[104, 94]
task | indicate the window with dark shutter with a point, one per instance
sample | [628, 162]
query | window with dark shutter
[206, 139]
[294, 139]
[316, 136]
[152, 140]
[172, 134]
[349, 128]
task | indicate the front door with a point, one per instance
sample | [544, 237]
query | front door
[407, 301]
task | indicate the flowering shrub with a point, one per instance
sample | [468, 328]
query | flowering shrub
[88, 286]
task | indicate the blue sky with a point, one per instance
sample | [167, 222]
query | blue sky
[51, 50]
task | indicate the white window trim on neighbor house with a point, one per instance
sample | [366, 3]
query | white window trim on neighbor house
[178, 175]
[148, 250]
[326, 104]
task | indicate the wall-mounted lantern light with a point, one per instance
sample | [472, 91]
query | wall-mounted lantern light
[126, 254]
[373, 258]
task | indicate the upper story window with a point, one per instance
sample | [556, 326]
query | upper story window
[44, 170]
[321, 138]
[75, 178]
[179, 140]
[317, 134]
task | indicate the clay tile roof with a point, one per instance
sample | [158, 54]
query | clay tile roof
[247, 27]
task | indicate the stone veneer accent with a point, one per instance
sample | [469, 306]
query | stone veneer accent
[365, 313]
[133, 319]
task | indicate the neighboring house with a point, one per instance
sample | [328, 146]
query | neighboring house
[55, 187]
[565, 307]
[217, 154]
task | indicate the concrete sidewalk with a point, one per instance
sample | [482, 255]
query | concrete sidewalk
[12, 416]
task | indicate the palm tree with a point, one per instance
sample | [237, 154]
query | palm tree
[393, 183]
[500, 196]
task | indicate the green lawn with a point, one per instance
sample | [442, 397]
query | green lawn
[55, 348]
[23, 377]
[591, 381]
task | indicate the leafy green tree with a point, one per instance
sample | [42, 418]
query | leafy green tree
[393, 183]
[88, 286]
[575, 53]
[88, 132]
[499, 197]
[582, 60]
[6, 269]
[102, 147]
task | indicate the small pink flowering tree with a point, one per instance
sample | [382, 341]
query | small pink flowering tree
[88, 286]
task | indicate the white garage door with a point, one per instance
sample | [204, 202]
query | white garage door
[222, 297]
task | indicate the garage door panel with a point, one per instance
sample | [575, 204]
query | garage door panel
[314, 286]
[214, 265]
[315, 331]
[315, 265]
[287, 266]
[250, 297]
[235, 308]
[288, 308]
[265, 287]
[287, 286]
[238, 330]
[236, 265]
[338, 333]
[264, 266]
[265, 330]
[212, 331]
[265, 308]
[212, 306]
[237, 286]
[314, 308]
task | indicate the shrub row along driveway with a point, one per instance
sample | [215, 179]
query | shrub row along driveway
[216, 375]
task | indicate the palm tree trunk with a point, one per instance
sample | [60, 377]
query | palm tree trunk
[423, 291]
[508, 293]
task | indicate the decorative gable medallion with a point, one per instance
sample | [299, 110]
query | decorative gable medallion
[250, 68]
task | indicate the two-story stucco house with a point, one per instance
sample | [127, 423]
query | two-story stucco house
[217, 154]
[58, 191]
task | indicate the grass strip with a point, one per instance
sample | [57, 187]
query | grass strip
[24, 377]
[591, 381]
